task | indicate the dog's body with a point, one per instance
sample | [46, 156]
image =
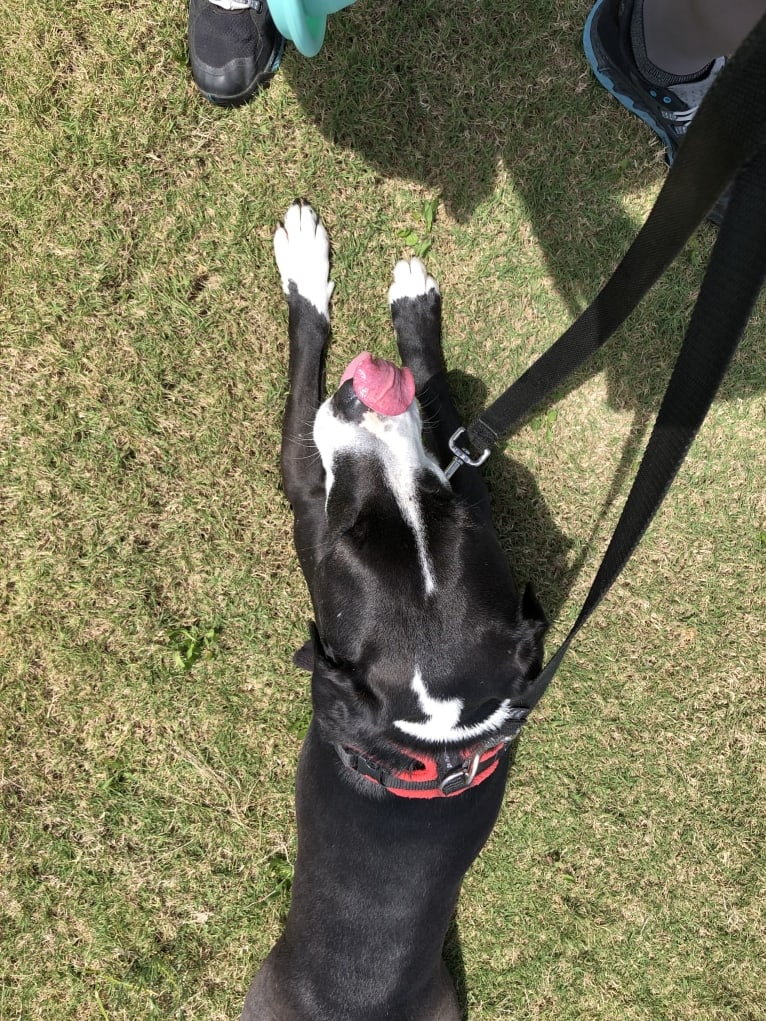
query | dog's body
[421, 645]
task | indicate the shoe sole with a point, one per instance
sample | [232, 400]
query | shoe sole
[261, 80]
[614, 87]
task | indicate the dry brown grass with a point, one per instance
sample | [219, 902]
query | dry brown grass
[146, 827]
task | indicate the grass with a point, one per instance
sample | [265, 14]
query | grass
[150, 716]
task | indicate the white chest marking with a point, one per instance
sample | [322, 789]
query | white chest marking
[443, 723]
[397, 442]
[406, 495]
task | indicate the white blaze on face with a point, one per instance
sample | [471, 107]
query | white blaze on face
[442, 723]
[396, 441]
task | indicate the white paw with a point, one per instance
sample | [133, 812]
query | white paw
[410, 281]
[302, 251]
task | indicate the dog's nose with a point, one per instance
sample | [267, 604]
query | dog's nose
[381, 385]
[346, 405]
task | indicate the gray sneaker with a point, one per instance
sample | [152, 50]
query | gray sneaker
[667, 110]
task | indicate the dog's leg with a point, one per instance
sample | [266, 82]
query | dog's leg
[416, 312]
[416, 309]
[302, 251]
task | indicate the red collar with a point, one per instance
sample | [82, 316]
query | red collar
[440, 776]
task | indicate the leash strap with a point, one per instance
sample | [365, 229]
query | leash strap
[727, 135]
[734, 278]
[727, 131]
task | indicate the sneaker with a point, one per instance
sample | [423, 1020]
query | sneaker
[667, 110]
[234, 48]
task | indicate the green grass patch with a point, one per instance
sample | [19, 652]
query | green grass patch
[150, 598]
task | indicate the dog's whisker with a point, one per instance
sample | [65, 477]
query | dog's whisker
[304, 444]
[307, 459]
[427, 402]
[301, 439]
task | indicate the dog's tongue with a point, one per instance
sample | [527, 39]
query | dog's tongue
[380, 385]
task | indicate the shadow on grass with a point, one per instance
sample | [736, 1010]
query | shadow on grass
[537, 549]
[448, 95]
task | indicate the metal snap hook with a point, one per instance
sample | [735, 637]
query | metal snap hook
[462, 456]
[470, 769]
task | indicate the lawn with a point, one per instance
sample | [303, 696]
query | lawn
[150, 599]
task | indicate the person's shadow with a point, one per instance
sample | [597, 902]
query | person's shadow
[452, 95]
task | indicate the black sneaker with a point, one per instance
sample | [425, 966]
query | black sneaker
[234, 48]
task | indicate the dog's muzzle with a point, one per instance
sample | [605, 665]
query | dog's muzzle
[380, 385]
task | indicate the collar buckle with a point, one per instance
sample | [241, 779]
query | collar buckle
[461, 778]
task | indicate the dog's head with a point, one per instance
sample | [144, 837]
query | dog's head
[421, 639]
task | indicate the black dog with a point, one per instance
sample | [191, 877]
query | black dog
[421, 644]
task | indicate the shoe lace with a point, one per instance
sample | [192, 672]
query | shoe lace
[239, 5]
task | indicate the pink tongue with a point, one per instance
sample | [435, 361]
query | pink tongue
[380, 385]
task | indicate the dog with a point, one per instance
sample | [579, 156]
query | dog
[421, 650]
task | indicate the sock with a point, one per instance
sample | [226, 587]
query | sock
[650, 71]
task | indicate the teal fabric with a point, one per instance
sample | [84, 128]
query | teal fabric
[304, 22]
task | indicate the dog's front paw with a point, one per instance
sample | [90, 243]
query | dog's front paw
[410, 281]
[302, 251]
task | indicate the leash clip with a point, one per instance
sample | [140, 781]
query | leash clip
[462, 777]
[462, 456]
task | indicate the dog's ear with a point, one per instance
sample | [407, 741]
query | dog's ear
[531, 625]
[303, 658]
[340, 696]
[532, 610]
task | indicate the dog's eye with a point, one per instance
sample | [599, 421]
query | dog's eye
[359, 532]
[366, 695]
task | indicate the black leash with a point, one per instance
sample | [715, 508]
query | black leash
[727, 137]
